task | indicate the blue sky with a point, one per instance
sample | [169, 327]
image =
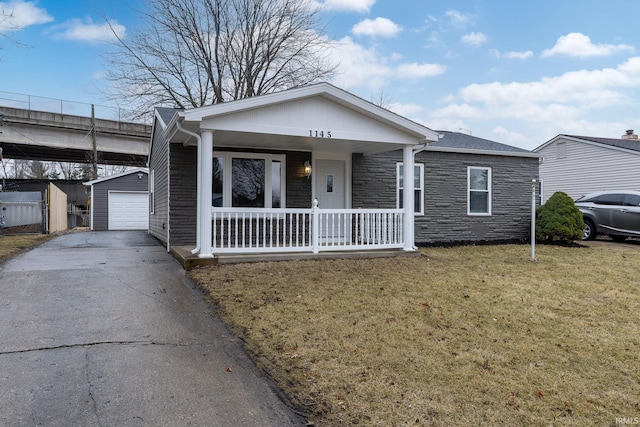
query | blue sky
[511, 71]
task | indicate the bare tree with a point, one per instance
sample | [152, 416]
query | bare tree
[6, 27]
[20, 168]
[193, 53]
[41, 170]
[382, 100]
[69, 170]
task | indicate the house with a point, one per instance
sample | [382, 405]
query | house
[468, 189]
[120, 202]
[316, 169]
[578, 165]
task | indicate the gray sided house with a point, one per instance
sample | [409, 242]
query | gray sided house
[451, 210]
[120, 202]
[578, 165]
[317, 169]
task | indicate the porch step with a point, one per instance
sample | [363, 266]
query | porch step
[189, 261]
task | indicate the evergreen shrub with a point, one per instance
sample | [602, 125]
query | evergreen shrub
[559, 220]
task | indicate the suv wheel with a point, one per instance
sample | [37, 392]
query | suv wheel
[589, 230]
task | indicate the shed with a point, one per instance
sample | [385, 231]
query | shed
[120, 202]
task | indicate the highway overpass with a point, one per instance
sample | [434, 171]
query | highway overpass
[39, 135]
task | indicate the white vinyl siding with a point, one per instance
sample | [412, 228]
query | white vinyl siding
[588, 168]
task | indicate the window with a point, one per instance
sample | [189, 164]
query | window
[610, 199]
[152, 198]
[248, 180]
[418, 187]
[479, 191]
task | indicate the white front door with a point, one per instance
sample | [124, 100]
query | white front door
[329, 184]
[330, 192]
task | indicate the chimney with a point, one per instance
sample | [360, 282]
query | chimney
[630, 135]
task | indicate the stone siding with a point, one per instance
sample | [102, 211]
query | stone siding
[445, 219]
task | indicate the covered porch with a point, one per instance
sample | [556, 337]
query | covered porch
[274, 175]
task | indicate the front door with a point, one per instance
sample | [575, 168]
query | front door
[330, 192]
[329, 183]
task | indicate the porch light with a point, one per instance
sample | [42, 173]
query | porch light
[140, 175]
[307, 169]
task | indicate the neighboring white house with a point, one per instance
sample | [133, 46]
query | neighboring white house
[578, 165]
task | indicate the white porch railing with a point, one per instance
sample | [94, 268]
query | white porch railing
[241, 230]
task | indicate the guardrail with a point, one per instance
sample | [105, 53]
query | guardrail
[61, 106]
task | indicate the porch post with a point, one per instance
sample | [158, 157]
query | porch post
[204, 196]
[407, 199]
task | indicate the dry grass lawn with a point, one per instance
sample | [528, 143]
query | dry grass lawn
[458, 337]
[11, 245]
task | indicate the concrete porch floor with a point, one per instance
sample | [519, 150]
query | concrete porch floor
[188, 260]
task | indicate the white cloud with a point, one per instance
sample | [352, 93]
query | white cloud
[88, 31]
[474, 39]
[580, 46]
[458, 18]
[511, 55]
[381, 27]
[500, 134]
[358, 66]
[21, 15]
[415, 70]
[362, 6]
[537, 109]
[584, 86]
[405, 110]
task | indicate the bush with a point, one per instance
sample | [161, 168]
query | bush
[559, 220]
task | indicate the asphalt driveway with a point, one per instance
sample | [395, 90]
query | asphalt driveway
[104, 329]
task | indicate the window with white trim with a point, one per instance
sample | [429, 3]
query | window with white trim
[248, 180]
[152, 198]
[478, 191]
[418, 187]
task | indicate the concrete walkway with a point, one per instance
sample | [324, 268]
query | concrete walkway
[104, 329]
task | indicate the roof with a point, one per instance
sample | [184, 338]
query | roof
[326, 90]
[107, 178]
[625, 144]
[462, 142]
[166, 114]
[628, 144]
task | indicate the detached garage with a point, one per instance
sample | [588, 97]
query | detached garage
[120, 202]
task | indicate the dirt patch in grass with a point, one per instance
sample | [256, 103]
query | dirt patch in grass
[461, 336]
[11, 245]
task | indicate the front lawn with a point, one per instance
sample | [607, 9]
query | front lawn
[460, 336]
[11, 245]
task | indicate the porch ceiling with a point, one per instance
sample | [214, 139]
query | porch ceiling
[272, 142]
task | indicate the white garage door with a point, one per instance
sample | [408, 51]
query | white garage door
[128, 210]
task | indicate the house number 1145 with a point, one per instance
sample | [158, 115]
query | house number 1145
[320, 133]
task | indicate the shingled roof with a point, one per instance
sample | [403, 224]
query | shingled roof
[628, 144]
[166, 114]
[468, 142]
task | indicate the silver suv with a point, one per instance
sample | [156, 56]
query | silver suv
[616, 213]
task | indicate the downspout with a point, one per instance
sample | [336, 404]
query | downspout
[199, 184]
